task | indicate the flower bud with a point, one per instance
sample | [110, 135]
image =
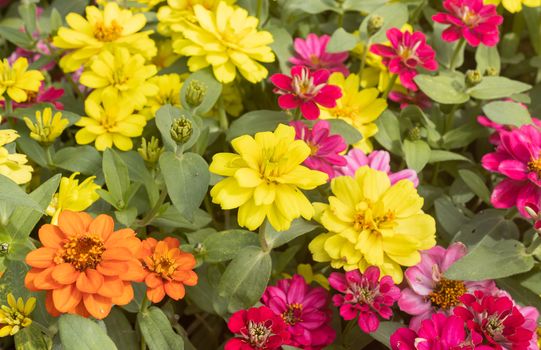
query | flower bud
[473, 77]
[414, 133]
[195, 93]
[374, 24]
[181, 130]
[47, 127]
[150, 151]
[491, 72]
[4, 248]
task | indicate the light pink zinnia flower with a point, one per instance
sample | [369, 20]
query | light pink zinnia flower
[407, 52]
[305, 90]
[311, 52]
[378, 160]
[417, 98]
[471, 20]
[325, 148]
[429, 292]
[304, 309]
[364, 295]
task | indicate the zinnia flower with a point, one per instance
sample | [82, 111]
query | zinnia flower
[416, 98]
[305, 90]
[232, 42]
[365, 296]
[377, 160]
[44, 95]
[306, 271]
[168, 269]
[471, 20]
[305, 311]
[47, 127]
[84, 266]
[312, 52]
[408, 51]
[514, 6]
[13, 165]
[440, 332]
[325, 148]
[265, 178]
[109, 122]
[15, 315]
[372, 222]
[429, 291]
[257, 329]
[16, 81]
[169, 86]
[358, 107]
[101, 30]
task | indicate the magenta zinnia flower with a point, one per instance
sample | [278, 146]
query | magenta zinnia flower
[256, 329]
[305, 90]
[417, 98]
[311, 52]
[378, 160]
[471, 20]
[325, 148]
[429, 292]
[440, 332]
[407, 52]
[364, 295]
[305, 311]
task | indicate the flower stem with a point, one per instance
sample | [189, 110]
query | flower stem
[258, 11]
[262, 240]
[155, 209]
[363, 59]
[457, 51]
[144, 306]
[390, 86]
[415, 14]
[8, 106]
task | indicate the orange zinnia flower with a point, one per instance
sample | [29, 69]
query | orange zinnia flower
[168, 269]
[84, 266]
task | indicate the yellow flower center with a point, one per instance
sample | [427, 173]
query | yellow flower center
[314, 60]
[535, 166]
[364, 219]
[107, 33]
[162, 265]
[293, 314]
[258, 333]
[119, 79]
[83, 252]
[313, 148]
[469, 17]
[447, 293]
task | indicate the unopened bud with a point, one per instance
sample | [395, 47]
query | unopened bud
[150, 151]
[414, 133]
[4, 248]
[181, 130]
[473, 77]
[198, 248]
[195, 93]
[374, 24]
[491, 72]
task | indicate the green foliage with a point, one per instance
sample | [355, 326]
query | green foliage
[157, 331]
[79, 333]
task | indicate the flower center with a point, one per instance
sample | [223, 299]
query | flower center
[119, 79]
[163, 265]
[314, 60]
[409, 54]
[469, 17]
[364, 219]
[304, 86]
[314, 148]
[447, 293]
[534, 165]
[362, 293]
[107, 33]
[83, 252]
[258, 333]
[293, 314]
[494, 326]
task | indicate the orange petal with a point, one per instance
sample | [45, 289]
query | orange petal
[153, 280]
[119, 237]
[65, 273]
[51, 236]
[126, 297]
[136, 272]
[49, 305]
[192, 280]
[111, 288]
[66, 298]
[112, 268]
[172, 242]
[41, 257]
[116, 253]
[81, 310]
[89, 281]
[175, 290]
[98, 306]
[44, 280]
[156, 294]
[29, 279]
[72, 223]
[187, 261]
[102, 225]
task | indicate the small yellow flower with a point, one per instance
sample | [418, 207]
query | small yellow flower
[150, 151]
[47, 127]
[165, 56]
[305, 270]
[72, 196]
[169, 86]
[123, 76]
[228, 40]
[100, 30]
[17, 81]
[265, 178]
[15, 315]
[359, 108]
[514, 6]
[12, 165]
[109, 123]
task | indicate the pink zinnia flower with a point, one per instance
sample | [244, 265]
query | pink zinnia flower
[378, 160]
[495, 322]
[364, 295]
[325, 148]
[407, 52]
[429, 292]
[311, 52]
[471, 20]
[518, 157]
[440, 332]
[417, 98]
[256, 329]
[305, 311]
[305, 90]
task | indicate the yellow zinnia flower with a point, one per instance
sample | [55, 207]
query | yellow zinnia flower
[165, 56]
[100, 30]
[16, 81]
[169, 86]
[12, 165]
[359, 108]
[72, 196]
[227, 39]
[109, 122]
[371, 222]
[47, 128]
[123, 76]
[15, 315]
[264, 179]
[515, 5]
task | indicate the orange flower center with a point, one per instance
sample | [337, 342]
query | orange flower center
[293, 314]
[313, 148]
[107, 33]
[163, 265]
[447, 293]
[364, 219]
[534, 165]
[83, 252]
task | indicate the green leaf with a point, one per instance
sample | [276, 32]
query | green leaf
[16, 37]
[491, 260]
[157, 330]
[347, 131]
[245, 278]
[67, 6]
[224, 245]
[393, 14]
[28, 14]
[448, 216]
[139, 173]
[84, 159]
[507, 113]
[437, 156]
[487, 57]
[520, 293]
[56, 20]
[489, 224]
[33, 150]
[256, 121]
[385, 330]
[312, 7]
[120, 330]
[32, 338]
[442, 89]
[79, 333]
[475, 182]
[187, 179]
[389, 132]
[445, 50]
[117, 177]
[281, 45]
[341, 41]
[212, 86]
[298, 228]
[13, 195]
[463, 135]
[491, 88]
[417, 154]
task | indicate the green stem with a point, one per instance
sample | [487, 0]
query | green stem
[49, 156]
[155, 209]
[8, 106]
[415, 14]
[341, 19]
[259, 8]
[363, 60]
[449, 119]
[224, 123]
[144, 306]
[262, 240]
[390, 86]
[456, 53]
[535, 244]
